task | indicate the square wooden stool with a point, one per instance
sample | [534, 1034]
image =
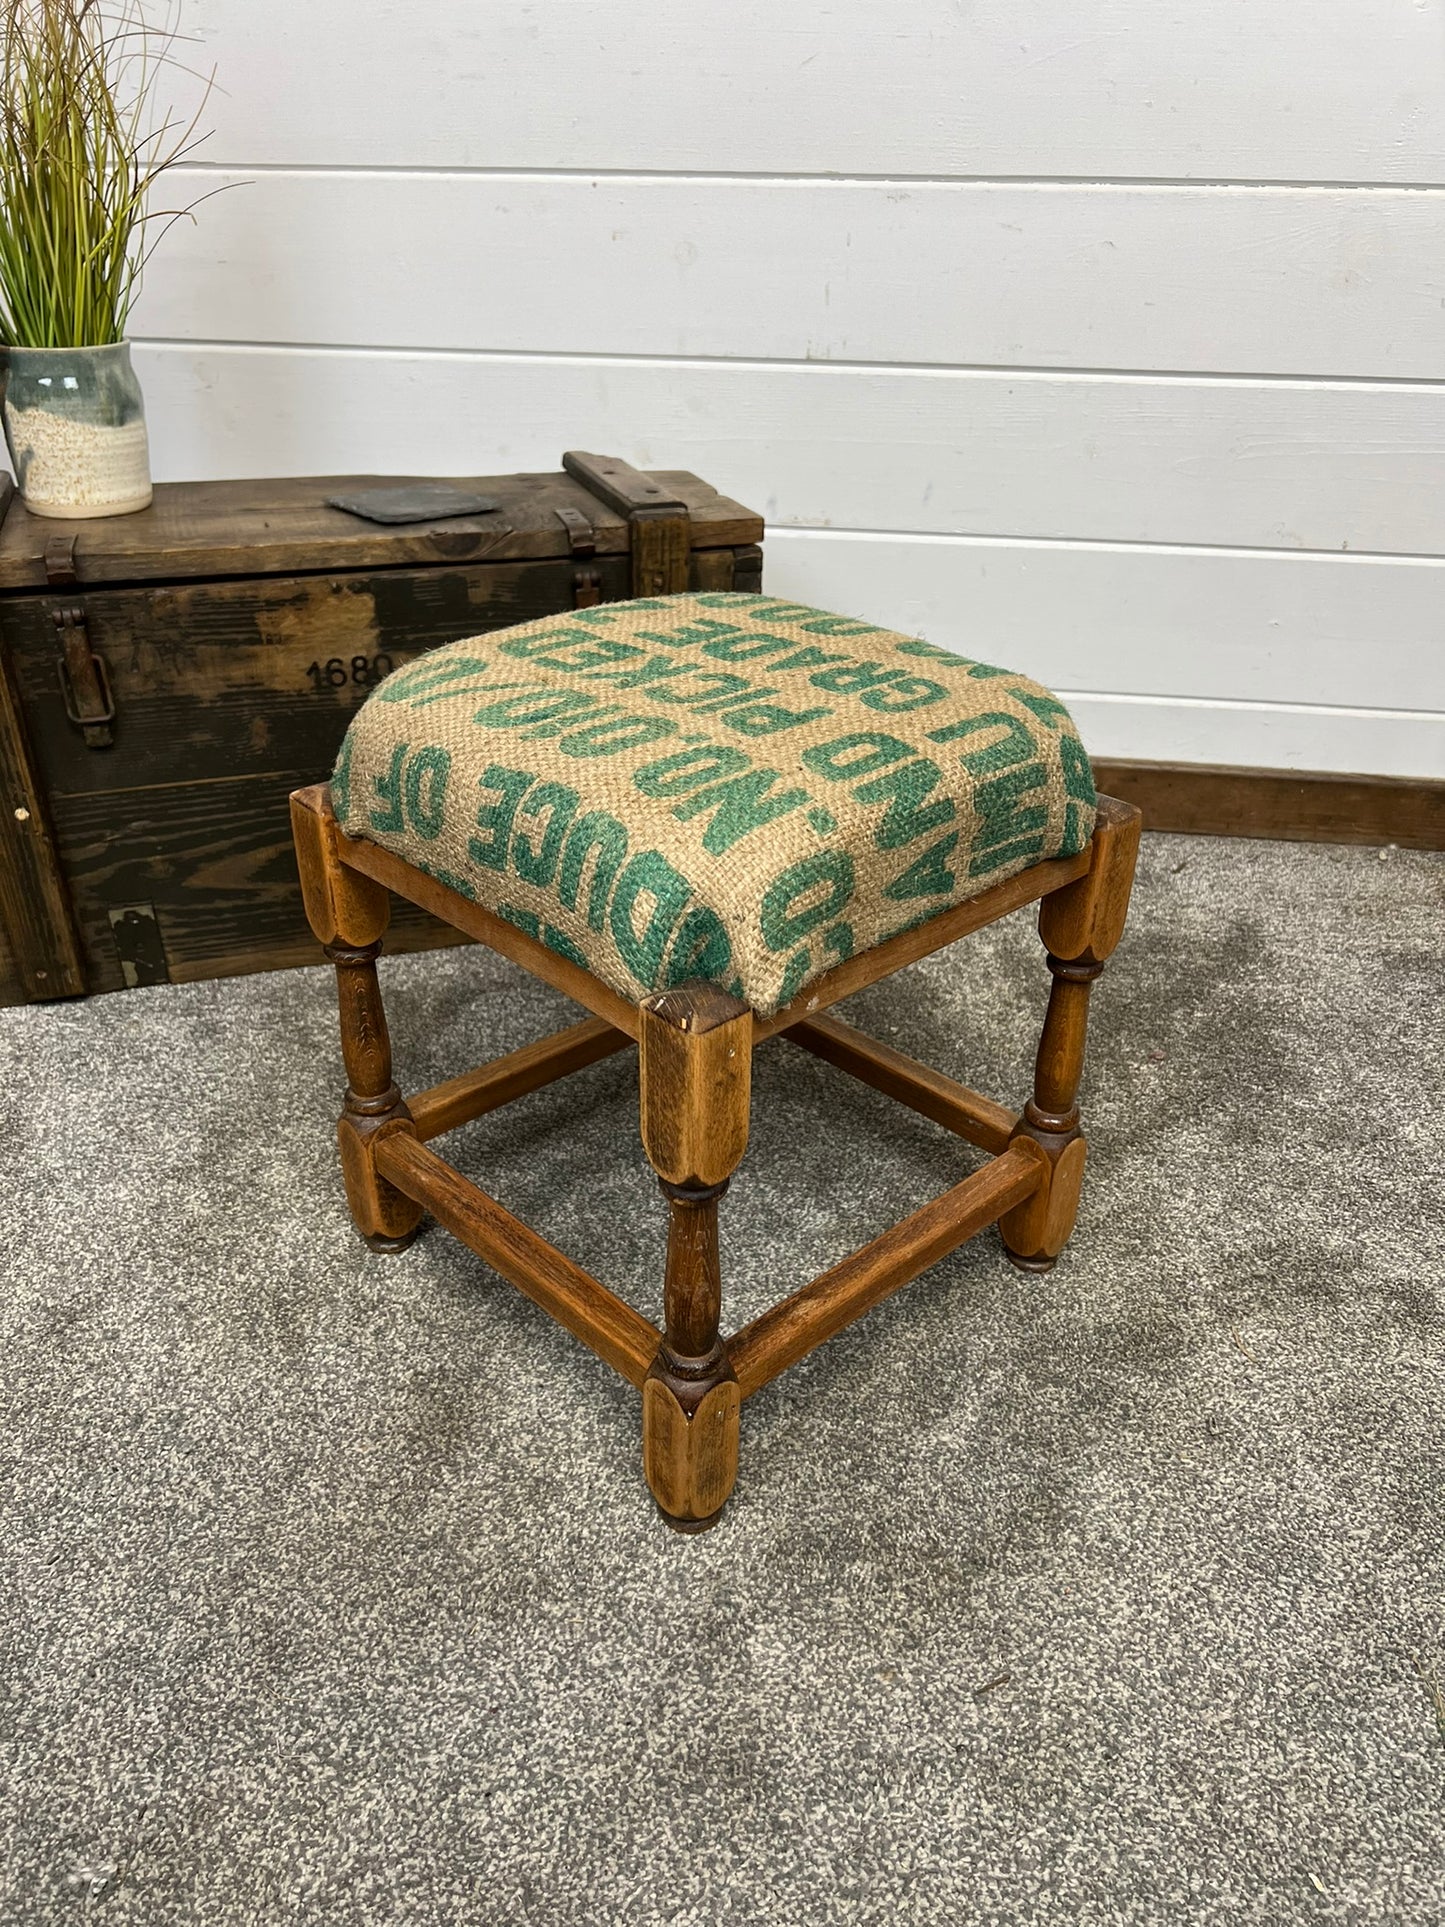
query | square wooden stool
[707, 819]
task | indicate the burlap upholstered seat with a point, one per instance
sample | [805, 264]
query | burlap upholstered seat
[722, 786]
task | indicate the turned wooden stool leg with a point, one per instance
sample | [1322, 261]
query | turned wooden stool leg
[1080, 926]
[348, 912]
[374, 1108]
[696, 1066]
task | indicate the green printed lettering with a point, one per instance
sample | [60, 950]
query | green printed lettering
[491, 851]
[600, 831]
[426, 790]
[852, 677]
[744, 644]
[702, 948]
[807, 656]
[649, 874]
[716, 686]
[1082, 797]
[903, 789]
[534, 706]
[688, 633]
[1047, 708]
[1005, 821]
[905, 692]
[547, 933]
[388, 788]
[1013, 747]
[559, 941]
[930, 651]
[739, 805]
[928, 875]
[1078, 771]
[607, 739]
[1027, 849]
[808, 893]
[858, 754]
[583, 650]
[652, 669]
[524, 644]
[765, 719]
[688, 769]
[838, 939]
[824, 625]
[534, 864]
[420, 677]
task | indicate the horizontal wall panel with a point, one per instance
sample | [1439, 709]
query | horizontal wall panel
[1314, 632]
[1113, 458]
[1306, 281]
[1164, 729]
[1241, 89]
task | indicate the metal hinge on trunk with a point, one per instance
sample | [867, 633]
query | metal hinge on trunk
[84, 679]
[582, 538]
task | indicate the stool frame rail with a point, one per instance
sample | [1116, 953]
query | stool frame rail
[695, 1045]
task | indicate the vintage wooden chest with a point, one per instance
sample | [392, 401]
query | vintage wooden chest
[168, 678]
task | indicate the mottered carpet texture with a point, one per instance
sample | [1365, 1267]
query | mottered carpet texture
[330, 1590]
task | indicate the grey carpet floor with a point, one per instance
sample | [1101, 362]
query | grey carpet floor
[331, 1591]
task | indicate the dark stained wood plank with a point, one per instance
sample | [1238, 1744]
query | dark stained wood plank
[284, 526]
[622, 487]
[215, 860]
[235, 677]
[41, 944]
[1296, 806]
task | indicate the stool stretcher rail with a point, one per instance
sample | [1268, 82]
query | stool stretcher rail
[968, 1114]
[620, 1336]
[790, 1330]
[474, 1093]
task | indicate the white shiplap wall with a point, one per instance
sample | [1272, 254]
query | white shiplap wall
[1107, 340]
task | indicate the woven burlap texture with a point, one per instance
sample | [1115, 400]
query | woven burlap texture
[715, 785]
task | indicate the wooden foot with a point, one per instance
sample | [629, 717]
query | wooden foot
[1080, 926]
[383, 1244]
[1029, 1264]
[696, 1063]
[690, 1527]
[690, 1444]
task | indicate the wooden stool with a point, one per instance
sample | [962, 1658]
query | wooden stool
[422, 784]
